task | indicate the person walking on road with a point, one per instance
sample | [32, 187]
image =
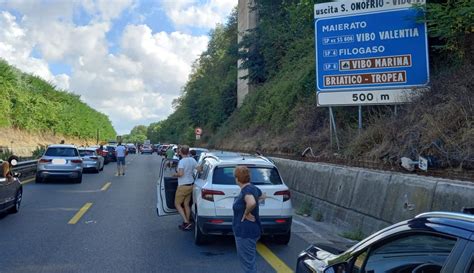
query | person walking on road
[186, 167]
[246, 222]
[120, 153]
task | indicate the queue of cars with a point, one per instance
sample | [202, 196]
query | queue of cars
[69, 162]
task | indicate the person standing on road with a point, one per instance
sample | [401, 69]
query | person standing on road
[246, 222]
[170, 156]
[186, 167]
[120, 153]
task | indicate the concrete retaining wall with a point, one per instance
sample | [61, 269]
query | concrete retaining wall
[368, 200]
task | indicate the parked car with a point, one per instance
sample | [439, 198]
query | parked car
[111, 156]
[11, 191]
[104, 153]
[132, 149]
[215, 190]
[147, 149]
[156, 148]
[91, 160]
[60, 161]
[431, 242]
[199, 151]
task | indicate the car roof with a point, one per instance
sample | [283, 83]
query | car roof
[232, 158]
[62, 146]
[456, 219]
[199, 149]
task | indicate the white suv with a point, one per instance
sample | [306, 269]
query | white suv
[215, 191]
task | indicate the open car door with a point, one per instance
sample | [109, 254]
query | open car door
[166, 188]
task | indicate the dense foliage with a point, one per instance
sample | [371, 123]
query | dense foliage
[280, 113]
[29, 103]
[137, 135]
[209, 97]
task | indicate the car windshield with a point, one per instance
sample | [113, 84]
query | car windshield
[86, 153]
[258, 176]
[57, 151]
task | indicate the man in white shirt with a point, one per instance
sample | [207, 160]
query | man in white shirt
[120, 153]
[186, 167]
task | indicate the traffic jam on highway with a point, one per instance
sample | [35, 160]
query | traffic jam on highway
[174, 207]
[430, 242]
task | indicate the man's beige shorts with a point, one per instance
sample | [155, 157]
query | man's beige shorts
[183, 194]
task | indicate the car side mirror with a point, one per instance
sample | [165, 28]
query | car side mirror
[13, 162]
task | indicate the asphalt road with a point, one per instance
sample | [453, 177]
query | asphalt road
[119, 232]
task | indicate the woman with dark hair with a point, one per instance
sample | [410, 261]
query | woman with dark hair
[7, 167]
[246, 223]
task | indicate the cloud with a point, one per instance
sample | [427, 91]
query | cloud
[16, 48]
[189, 13]
[135, 84]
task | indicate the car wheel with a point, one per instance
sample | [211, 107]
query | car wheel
[38, 179]
[283, 239]
[18, 197]
[78, 180]
[199, 237]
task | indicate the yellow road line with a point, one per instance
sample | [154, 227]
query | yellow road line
[79, 214]
[272, 259]
[27, 181]
[106, 186]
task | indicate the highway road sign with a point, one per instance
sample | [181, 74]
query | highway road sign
[369, 45]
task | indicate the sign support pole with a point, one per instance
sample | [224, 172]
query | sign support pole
[330, 128]
[396, 110]
[334, 127]
[360, 118]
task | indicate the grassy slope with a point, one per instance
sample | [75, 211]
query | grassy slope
[29, 103]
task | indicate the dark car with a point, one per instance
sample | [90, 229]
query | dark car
[111, 157]
[147, 149]
[131, 149]
[11, 192]
[431, 242]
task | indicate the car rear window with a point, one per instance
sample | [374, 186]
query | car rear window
[258, 176]
[110, 148]
[86, 153]
[66, 152]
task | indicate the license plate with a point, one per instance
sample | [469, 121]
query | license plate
[59, 161]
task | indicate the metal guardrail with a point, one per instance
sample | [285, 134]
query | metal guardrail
[26, 168]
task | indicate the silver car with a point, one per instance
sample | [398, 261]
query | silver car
[91, 160]
[60, 161]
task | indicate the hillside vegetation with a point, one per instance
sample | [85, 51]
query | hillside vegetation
[281, 114]
[31, 104]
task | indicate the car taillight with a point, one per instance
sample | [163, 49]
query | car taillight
[76, 161]
[209, 194]
[216, 221]
[286, 194]
[43, 161]
[280, 221]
